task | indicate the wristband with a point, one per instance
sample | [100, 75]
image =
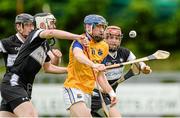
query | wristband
[112, 93]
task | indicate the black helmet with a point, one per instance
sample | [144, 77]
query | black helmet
[23, 18]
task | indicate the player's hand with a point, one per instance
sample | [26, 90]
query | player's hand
[113, 97]
[146, 70]
[57, 53]
[84, 41]
[113, 101]
[99, 67]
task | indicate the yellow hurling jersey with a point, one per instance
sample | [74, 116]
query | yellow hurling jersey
[80, 76]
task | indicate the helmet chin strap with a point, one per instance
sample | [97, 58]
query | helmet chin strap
[89, 30]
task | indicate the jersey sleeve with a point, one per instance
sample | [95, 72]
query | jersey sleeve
[131, 56]
[2, 46]
[34, 36]
[77, 44]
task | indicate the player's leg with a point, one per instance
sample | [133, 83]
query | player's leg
[79, 109]
[25, 109]
[96, 106]
[18, 100]
[6, 114]
[113, 112]
[5, 110]
[77, 102]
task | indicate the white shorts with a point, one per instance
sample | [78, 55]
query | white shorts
[73, 95]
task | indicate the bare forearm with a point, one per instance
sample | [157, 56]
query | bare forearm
[103, 82]
[81, 57]
[54, 69]
[55, 61]
[58, 34]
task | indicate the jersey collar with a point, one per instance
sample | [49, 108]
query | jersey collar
[113, 54]
[19, 37]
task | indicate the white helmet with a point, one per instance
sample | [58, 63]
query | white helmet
[44, 18]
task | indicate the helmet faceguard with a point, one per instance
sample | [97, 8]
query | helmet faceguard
[93, 21]
[113, 37]
[45, 18]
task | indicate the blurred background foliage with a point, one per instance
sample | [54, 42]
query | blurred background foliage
[157, 22]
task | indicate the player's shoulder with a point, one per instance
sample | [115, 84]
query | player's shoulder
[9, 39]
[34, 34]
[123, 50]
[75, 44]
[35, 31]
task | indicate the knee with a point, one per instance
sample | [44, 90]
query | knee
[32, 113]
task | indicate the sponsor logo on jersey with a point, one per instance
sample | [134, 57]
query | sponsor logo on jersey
[79, 95]
[100, 52]
[17, 48]
[121, 60]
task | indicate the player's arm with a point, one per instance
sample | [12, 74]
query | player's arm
[144, 68]
[50, 68]
[55, 56]
[81, 57]
[2, 48]
[101, 78]
[78, 53]
[59, 34]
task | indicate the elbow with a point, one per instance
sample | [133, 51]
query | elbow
[49, 34]
[46, 70]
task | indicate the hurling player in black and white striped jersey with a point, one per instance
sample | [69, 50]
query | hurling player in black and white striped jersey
[9, 47]
[117, 54]
[17, 83]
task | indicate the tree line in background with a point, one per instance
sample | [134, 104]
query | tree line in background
[156, 22]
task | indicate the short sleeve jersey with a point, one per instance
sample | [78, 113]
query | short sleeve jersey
[80, 76]
[31, 57]
[9, 47]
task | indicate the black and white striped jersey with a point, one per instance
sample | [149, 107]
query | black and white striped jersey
[121, 55]
[31, 57]
[9, 47]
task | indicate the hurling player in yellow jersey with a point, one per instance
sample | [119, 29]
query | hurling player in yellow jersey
[83, 63]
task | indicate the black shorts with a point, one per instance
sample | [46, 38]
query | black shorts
[96, 103]
[12, 96]
[10, 106]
